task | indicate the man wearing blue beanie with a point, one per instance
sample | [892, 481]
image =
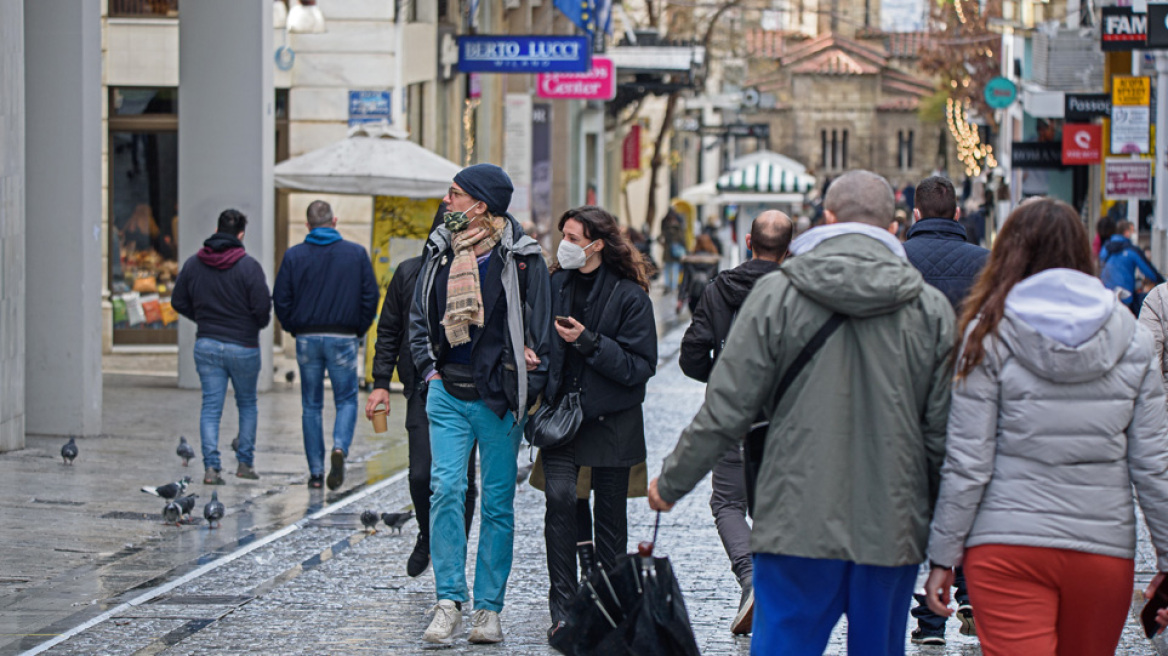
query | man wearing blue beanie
[480, 336]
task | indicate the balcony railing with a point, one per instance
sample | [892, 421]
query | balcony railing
[143, 8]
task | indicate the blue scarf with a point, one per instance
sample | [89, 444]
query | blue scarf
[323, 236]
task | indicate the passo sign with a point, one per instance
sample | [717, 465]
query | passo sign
[597, 84]
[1082, 143]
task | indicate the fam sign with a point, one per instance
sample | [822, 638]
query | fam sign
[524, 54]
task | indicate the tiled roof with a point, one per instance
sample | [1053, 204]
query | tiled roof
[905, 45]
[901, 104]
[835, 62]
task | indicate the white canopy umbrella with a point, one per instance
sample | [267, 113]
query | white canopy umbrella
[369, 165]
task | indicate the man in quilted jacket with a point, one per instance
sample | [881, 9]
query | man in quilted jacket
[937, 247]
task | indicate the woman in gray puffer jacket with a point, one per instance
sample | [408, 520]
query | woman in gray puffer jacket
[1058, 409]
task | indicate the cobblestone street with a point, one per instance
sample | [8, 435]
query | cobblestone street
[323, 586]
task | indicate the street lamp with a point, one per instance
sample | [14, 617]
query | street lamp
[305, 18]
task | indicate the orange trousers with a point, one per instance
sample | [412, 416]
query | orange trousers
[1037, 601]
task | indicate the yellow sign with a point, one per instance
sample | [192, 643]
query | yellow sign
[1128, 91]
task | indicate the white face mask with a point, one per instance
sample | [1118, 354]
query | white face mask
[571, 256]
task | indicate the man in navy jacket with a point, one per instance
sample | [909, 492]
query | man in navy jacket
[222, 289]
[326, 295]
[937, 247]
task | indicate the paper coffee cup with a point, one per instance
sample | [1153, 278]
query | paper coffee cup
[380, 422]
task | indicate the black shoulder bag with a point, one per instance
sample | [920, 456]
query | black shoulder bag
[755, 444]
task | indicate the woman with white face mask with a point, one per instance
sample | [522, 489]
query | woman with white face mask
[606, 350]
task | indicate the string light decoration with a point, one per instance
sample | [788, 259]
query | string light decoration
[970, 150]
[468, 139]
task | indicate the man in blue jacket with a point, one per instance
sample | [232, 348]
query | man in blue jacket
[326, 296]
[937, 246]
[222, 289]
[1120, 258]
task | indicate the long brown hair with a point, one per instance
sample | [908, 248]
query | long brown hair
[1040, 234]
[618, 254]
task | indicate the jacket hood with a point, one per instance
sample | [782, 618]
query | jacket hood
[1064, 325]
[221, 251]
[323, 236]
[734, 284]
[854, 274]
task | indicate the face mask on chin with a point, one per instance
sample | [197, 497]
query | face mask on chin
[571, 256]
[456, 221]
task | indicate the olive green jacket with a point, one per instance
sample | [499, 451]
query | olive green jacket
[854, 451]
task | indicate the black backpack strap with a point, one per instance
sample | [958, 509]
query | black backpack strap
[809, 350]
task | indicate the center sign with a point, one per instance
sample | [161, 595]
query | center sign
[597, 84]
[524, 54]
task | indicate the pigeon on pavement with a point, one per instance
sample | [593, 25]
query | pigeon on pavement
[69, 451]
[172, 513]
[214, 510]
[397, 520]
[170, 490]
[187, 504]
[184, 450]
[369, 519]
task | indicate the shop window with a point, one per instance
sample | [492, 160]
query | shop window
[143, 8]
[143, 214]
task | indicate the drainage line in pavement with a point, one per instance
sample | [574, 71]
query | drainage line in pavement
[291, 528]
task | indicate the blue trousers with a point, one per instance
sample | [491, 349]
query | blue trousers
[217, 362]
[797, 602]
[454, 427]
[316, 355]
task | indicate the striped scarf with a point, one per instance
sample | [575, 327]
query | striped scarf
[464, 294]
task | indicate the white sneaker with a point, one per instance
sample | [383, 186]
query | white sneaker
[485, 628]
[447, 621]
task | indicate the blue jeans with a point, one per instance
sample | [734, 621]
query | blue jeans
[797, 602]
[454, 427]
[672, 273]
[217, 362]
[317, 354]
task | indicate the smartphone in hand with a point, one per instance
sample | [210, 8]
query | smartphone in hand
[564, 321]
[1158, 601]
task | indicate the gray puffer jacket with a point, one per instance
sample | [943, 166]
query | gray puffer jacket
[1154, 317]
[1048, 434]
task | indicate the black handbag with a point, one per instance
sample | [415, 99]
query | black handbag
[557, 425]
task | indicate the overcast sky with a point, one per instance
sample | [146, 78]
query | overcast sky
[902, 15]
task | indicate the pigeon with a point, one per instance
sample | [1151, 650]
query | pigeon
[214, 510]
[69, 451]
[369, 519]
[170, 490]
[184, 450]
[397, 520]
[290, 375]
[172, 513]
[187, 504]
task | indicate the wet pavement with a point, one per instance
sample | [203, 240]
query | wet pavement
[293, 571]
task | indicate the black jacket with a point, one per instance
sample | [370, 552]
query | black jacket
[619, 347]
[937, 248]
[715, 311]
[493, 361]
[326, 288]
[393, 342]
[224, 292]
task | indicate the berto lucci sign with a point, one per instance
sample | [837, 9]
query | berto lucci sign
[524, 54]
[597, 84]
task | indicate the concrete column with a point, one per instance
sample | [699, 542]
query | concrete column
[63, 185]
[1160, 224]
[12, 227]
[226, 136]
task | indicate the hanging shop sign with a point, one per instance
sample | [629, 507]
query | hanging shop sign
[1079, 107]
[631, 149]
[1036, 155]
[1130, 133]
[1157, 26]
[504, 53]
[1131, 90]
[369, 107]
[1000, 93]
[1128, 178]
[1082, 143]
[597, 84]
[1123, 29]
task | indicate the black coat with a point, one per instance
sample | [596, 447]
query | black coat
[937, 248]
[619, 346]
[229, 301]
[326, 289]
[715, 311]
[393, 343]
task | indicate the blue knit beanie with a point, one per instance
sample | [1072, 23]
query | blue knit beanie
[488, 183]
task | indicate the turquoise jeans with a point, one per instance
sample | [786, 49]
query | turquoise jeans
[454, 427]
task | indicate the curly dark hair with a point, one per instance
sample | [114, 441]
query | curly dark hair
[618, 254]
